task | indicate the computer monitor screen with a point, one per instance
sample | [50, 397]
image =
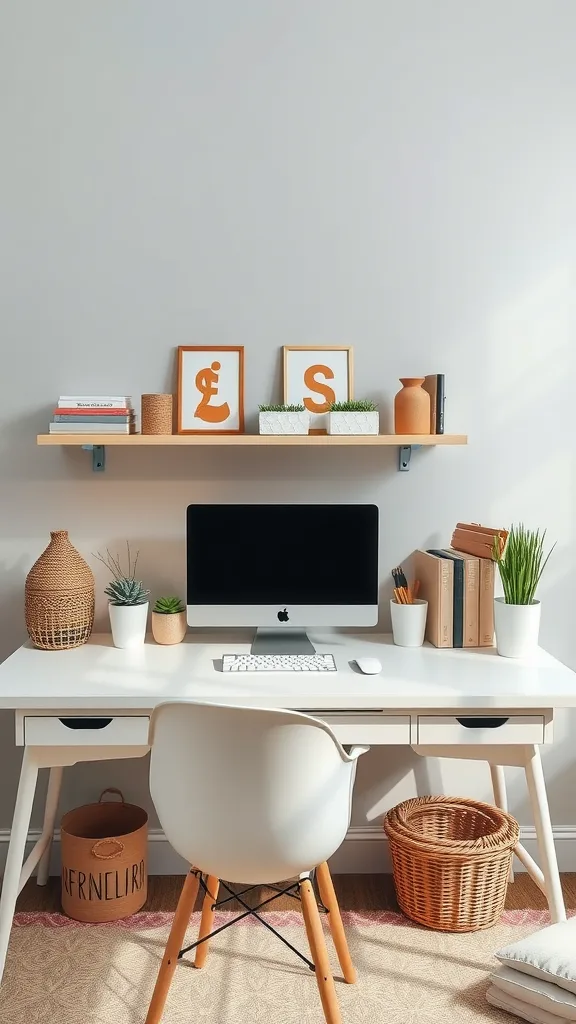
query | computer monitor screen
[282, 565]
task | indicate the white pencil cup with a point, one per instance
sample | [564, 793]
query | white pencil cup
[409, 623]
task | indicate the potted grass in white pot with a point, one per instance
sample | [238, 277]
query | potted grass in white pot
[283, 419]
[356, 416]
[517, 614]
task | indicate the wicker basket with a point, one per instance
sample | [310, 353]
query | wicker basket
[59, 597]
[451, 861]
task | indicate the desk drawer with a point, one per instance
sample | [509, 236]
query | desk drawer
[468, 729]
[368, 728]
[74, 731]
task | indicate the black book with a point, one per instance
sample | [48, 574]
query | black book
[434, 385]
[440, 400]
[458, 621]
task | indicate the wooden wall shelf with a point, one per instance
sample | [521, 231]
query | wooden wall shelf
[251, 440]
[97, 443]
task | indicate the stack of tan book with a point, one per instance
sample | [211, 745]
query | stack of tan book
[458, 583]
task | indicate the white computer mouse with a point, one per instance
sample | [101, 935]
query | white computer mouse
[369, 666]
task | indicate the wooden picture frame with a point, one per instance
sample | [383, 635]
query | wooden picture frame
[210, 397]
[303, 368]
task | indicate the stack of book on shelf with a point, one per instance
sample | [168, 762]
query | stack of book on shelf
[458, 583]
[93, 414]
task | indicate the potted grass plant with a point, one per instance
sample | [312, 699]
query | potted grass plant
[353, 417]
[517, 614]
[169, 621]
[128, 601]
[283, 419]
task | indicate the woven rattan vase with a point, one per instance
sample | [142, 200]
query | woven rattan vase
[59, 597]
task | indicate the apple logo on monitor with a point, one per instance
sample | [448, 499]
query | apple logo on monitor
[283, 616]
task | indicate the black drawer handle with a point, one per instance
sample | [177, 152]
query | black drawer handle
[85, 723]
[482, 723]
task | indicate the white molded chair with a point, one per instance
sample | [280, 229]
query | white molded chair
[249, 795]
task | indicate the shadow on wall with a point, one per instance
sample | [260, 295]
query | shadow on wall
[12, 622]
[161, 567]
[387, 775]
[21, 458]
[386, 591]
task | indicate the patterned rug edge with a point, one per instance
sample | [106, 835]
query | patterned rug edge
[158, 919]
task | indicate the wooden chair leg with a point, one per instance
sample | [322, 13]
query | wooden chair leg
[330, 901]
[173, 947]
[319, 953]
[207, 921]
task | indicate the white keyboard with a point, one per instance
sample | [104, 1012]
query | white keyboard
[278, 663]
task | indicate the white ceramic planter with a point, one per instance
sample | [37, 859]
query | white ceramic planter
[409, 623]
[517, 627]
[353, 423]
[284, 422]
[128, 624]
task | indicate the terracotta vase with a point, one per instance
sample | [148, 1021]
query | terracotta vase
[59, 597]
[412, 407]
[169, 629]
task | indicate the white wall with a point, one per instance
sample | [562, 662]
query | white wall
[400, 176]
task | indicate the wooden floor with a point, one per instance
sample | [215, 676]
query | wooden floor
[355, 892]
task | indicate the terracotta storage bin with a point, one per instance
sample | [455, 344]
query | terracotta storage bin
[104, 860]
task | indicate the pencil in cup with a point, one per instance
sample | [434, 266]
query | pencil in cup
[402, 592]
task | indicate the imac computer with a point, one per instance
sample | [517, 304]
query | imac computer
[282, 569]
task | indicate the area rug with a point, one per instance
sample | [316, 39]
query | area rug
[60, 972]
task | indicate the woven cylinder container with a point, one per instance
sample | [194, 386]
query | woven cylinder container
[104, 860]
[156, 415]
[451, 861]
[59, 597]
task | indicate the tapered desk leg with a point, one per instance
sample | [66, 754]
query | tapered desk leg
[16, 848]
[500, 796]
[526, 757]
[547, 850]
[52, 798]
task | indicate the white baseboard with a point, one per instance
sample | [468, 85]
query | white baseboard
[364, 851]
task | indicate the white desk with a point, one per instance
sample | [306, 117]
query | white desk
[416, 701]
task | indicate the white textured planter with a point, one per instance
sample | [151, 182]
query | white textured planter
[353, 423]
[284, 422]
[517, 627]
[128, 624]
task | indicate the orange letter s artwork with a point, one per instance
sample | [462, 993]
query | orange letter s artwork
[323, 389]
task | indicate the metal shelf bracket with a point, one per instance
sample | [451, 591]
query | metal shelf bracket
[98, 456]
[405, 455]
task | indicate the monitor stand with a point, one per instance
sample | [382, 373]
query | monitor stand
[281, 641]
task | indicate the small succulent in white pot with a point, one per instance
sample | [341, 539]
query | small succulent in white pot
[521, 562]
[283, 419]
[169, 620]
[128, 601]
[354, 417]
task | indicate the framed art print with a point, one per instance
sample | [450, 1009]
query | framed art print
[315, 376]
[210, 389]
